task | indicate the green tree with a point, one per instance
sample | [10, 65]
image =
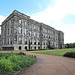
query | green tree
[29, 44]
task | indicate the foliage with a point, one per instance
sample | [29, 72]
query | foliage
[57, 52]
[13, 62]
[70, 45]
[29, 44]
[21, 53]
[70, 54]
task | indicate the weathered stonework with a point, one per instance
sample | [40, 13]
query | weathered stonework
[17, 29]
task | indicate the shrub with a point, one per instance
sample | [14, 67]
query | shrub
[21, 53]
[13, 62]
[70, 54]
[5, 65]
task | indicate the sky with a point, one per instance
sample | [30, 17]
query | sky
[59, 14]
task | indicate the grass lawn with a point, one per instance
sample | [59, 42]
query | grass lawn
[10, 63]
[57, 52]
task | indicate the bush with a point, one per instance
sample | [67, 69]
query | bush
[13, 62]
[5, 65]
[21, 53]
[70, 54]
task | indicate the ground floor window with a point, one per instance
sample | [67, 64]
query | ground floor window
[34, 47]
[25, 47]
[19, 47]
[38, 47]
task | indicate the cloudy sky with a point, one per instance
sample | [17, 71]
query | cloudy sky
[59, 14]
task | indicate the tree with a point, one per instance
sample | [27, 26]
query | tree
[29, 44]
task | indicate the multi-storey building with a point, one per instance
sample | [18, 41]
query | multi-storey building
[18, 29]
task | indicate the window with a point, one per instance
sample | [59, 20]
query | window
[34, 27]
[34, 42]
[30, 33]
[30, 26]
[38, 35]
[43, 35]
[49, 36]
[25, 23]
[19, 21]
[26, 47]
[44, 42]
[35, 34]
[8, 31]
[25, 40]
[11, 30]
[38, 42]
[34, 47]
[31, 41]
[38, 28]
[46, 35]
[11, 21]
[20, 40]
[8, 40]
[25, 31]
[20, 30]
[11, 41]
[19, 47]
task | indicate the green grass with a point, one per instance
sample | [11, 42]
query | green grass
[57, 52]
[10, 63]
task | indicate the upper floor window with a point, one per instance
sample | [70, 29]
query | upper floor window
[38, 42]
[25, 23]
[30, 26]
[44, 42]
[34, 42]
[38, 34]
[43, 35]
[30, 33]
[25, 31]
[46, 35]
[8, 31]
[35, 34]
[34, 27]
[20, 31]
[11, 30]
[38, 28]
[25, 40]
[20, 21]
[31, 41]
[20, 40]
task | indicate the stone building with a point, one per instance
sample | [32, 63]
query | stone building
[0, 42]
[18, 29]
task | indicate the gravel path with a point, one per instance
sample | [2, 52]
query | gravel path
[50, 65]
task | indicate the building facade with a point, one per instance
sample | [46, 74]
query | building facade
[18, 29]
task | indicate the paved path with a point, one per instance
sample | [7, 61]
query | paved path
[50, 65]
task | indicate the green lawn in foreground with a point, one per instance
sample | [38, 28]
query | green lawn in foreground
[57, 52]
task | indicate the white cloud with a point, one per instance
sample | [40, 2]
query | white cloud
[1, 20]
[54, 14]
